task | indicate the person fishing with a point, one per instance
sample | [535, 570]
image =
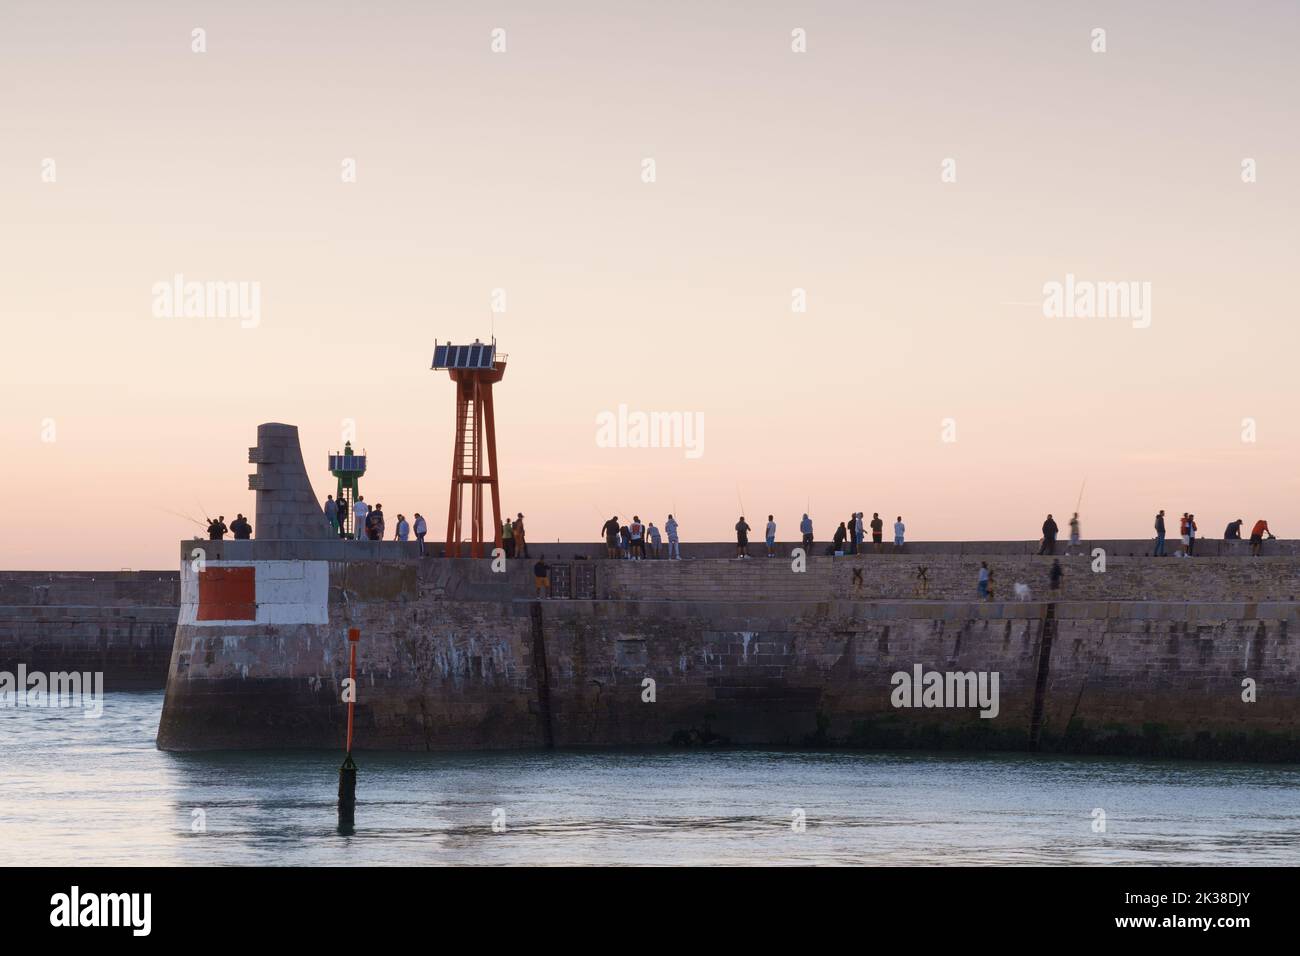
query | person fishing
[742, 538]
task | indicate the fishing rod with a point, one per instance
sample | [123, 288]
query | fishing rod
[179, 514]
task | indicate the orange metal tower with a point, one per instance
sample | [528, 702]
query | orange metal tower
[475, 369]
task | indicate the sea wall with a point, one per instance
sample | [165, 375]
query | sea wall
[119, 623]
[1148, 656]
[954, 577]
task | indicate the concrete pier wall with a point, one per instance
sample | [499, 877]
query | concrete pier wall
[1148, 657]
[119, 623]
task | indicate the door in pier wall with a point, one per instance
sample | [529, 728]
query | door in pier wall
[576, 580]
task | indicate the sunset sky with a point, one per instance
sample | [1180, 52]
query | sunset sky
[775, 170]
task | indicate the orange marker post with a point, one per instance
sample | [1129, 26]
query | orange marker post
[354, 638]
[348, 772]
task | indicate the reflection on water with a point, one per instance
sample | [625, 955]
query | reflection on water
[77, 791]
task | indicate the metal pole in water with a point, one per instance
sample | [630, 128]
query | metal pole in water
[348, 771]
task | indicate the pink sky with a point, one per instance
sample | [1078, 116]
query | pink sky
[775, 170]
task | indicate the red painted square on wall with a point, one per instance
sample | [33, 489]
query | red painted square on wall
[227, 594]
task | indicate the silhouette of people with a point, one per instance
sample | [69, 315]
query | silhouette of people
[742, 538]
[1048, 545]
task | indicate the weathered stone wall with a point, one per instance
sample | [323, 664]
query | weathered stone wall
[803, 673]
[1149, 657]
[953, 577]
[120, 623]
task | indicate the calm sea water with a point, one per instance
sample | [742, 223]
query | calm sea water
[78, 791]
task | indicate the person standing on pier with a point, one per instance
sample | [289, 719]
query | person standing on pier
[624, 542]
[610, 531]
[1049, 536]
[674, 548]
[240, 528]
[332, 513]
[377, 517]
[1074, 535]
[636, 536]
[521, 543]
[742, 538]
[508, 537]
[838, 541]
[769, 535]
[360, 516]
[421, 529]
[899, 531]
[653, 533]
[217, 529]
[1159, 551]
[1257, 536]
[403, 532]
[1191, 534]
[542, 577]
[855, 532]
[877, 531]
[806, 529]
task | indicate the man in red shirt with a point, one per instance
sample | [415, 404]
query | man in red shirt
[1257, 536]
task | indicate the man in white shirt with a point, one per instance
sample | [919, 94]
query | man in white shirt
[674, 552]
[359, 512]
[770, 535]
[898, 532]
[421, 529]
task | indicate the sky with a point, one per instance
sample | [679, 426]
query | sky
[826, 231]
